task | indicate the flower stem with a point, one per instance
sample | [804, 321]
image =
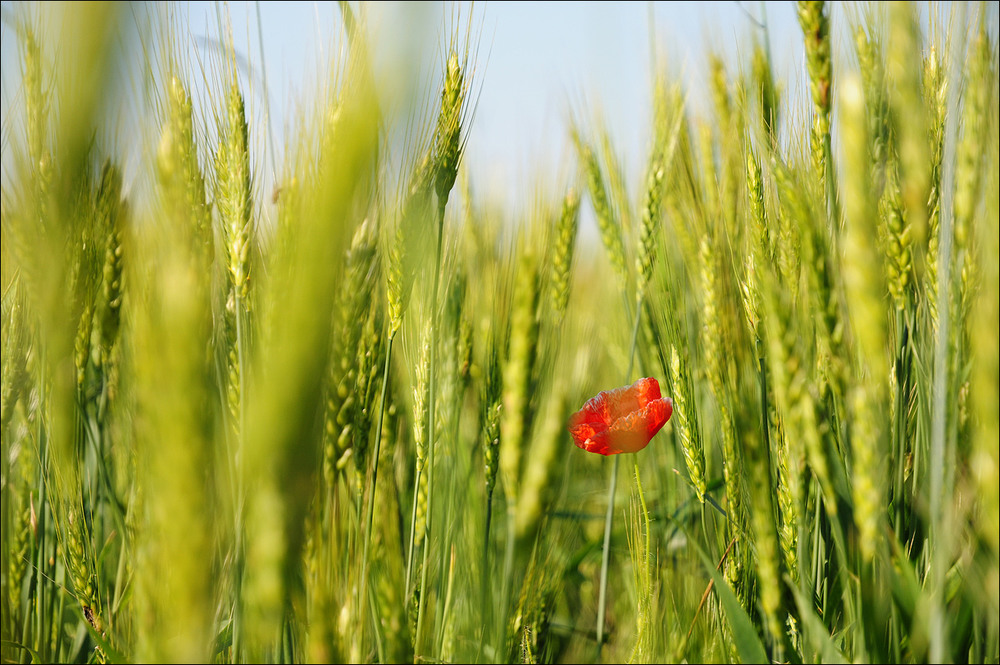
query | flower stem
[606, 549]
[602, 597]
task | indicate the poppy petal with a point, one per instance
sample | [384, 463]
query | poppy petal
[621, 420]
[598, 443]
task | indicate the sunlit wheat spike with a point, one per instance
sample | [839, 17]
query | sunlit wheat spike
[175, 381]
[611, 234]
[863, 281]
[447, 136]
[179, 171]
[343, 426]
[16, 338]
[117, 217]
[648, 225]
[36, 98]
[517, 373]
[233, 199]
[233, 194]
[686, 424]
[492, 401]
[395, 290]
[562, 260]
[869, 470]
[935, 97]
[81, 567]
[420, 435]
[816, 29]
[789, 483]
[17, 564]
[971, 148]
[896, 239]
[767, 92]
[910, 115]
[535, 490]
[796, 407]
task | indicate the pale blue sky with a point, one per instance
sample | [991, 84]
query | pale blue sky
[537, 64]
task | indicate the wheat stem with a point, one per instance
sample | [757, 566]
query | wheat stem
[431, 429]
[602, 597]
[374, 485]
[938, 451]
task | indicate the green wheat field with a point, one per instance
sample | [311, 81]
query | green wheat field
[327, 420]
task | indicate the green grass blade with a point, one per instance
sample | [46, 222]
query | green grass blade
[748, 643]
[815, 636]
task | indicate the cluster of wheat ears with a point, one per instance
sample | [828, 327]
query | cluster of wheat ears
[328, 422]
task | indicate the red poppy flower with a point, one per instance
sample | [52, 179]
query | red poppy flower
[622, 420]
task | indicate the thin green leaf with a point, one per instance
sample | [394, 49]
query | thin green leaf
[816, 638]
[748, 643]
